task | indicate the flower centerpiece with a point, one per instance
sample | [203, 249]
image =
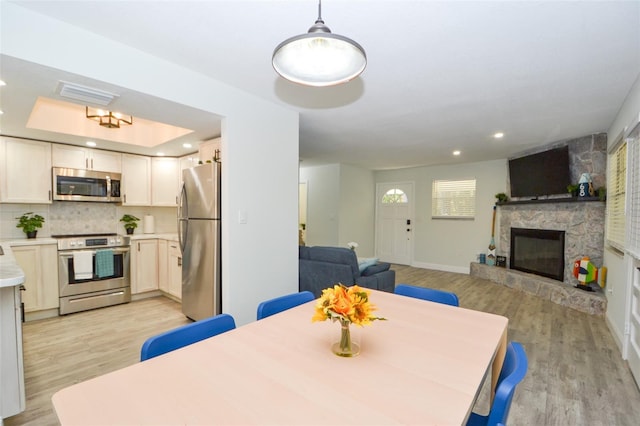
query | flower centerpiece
[347, 305]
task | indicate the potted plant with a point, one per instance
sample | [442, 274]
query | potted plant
[130, 223]
[30, 222]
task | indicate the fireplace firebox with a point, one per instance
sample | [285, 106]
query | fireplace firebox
[538, 251]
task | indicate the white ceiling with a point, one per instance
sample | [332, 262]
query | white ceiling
[440, 75]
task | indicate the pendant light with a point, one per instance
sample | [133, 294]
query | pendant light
[319, 58]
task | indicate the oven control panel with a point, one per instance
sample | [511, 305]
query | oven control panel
[93, 241]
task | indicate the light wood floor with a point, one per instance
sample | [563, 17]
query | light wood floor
[575, 377]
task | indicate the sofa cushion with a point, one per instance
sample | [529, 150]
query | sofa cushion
[376, 268]
[365, 262]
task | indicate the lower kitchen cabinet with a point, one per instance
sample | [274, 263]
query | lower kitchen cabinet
[174, 272]
[40, 266]
[144, 265]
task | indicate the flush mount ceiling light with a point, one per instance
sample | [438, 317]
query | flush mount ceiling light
[108, 119]
[319, 58]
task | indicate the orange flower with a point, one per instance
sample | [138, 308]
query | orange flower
[348, 304]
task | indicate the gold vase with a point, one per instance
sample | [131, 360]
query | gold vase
[345, 346]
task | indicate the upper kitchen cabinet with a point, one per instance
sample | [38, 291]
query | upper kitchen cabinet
[25, 171]
[164, 181]
[136, 180]
[77, 157]
[207, 150]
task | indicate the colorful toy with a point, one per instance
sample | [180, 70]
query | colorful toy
[586, 272]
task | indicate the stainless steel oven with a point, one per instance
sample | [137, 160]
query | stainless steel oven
[84, 280]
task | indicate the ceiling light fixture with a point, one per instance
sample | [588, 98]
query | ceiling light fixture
[91, 143]
[319, 58]
[498, 135]
[109, 119]
[456, 152]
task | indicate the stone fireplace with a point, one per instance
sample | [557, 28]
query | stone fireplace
[580, 221]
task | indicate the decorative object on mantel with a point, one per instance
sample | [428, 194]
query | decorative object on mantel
[585, 186]
[502, 197]
[346, 305]
[130, 223]
[586, 273]
[573, 190]
[30, 222]
[352, 245]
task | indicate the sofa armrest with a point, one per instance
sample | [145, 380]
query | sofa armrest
[376, 269]
[368, 282]
[315, 276]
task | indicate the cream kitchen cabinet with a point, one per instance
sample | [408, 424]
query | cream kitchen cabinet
[170, 268]
[144, 265]
[163, 279]
[25, 171]
[136, 180]
[164, 181]
[174, 269]
[77, 157]
[40, 266]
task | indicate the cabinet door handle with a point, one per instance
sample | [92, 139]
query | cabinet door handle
[92, 163]
[179, 261]
[86, 163]
[125, 198]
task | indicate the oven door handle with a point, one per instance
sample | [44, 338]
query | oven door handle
[69, 253]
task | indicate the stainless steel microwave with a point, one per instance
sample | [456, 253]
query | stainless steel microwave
[86, 185]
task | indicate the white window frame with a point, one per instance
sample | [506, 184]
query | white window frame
[632, 244]
[453, 199]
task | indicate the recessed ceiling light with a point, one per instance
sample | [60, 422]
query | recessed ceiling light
[456, 152]
[498, 135]
[91, 143]
[160, 154]
[186, 145]
[2, 83]
[1, 112]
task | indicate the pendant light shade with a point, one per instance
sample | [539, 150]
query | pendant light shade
[319, 58]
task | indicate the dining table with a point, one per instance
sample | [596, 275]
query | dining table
[425, 364]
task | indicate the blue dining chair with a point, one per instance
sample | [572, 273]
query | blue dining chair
[429, 294]
[186, 335]
[513, 371]
[282, 303]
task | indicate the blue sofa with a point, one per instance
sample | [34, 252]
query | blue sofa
[323, 267]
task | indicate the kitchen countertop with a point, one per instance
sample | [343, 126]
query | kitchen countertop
[10, 273]
[167, 236]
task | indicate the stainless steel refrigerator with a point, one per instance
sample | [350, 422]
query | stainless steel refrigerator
[199, 234]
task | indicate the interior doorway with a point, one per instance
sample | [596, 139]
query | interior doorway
[302, 213]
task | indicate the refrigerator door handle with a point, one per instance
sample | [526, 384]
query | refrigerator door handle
[182, 219]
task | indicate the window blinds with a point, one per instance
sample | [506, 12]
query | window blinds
[632, 244]
[616, 192]
[453, 199]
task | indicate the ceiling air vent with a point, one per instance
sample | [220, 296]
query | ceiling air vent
[85, 94]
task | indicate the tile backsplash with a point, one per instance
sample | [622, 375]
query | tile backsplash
[68, 217]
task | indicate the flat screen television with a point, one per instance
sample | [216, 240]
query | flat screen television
[540, 174]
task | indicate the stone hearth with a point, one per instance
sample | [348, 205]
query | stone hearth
[594, 303]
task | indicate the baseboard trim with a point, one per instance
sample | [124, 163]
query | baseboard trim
[438, 267]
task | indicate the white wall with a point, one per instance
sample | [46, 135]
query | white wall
[450, 245]
[323, 204]
[618, 265]
[357, 209]
[340, 206]
[250, 126]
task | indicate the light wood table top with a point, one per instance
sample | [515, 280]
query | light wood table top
[425, 365]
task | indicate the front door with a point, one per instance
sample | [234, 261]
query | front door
[394, 222]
